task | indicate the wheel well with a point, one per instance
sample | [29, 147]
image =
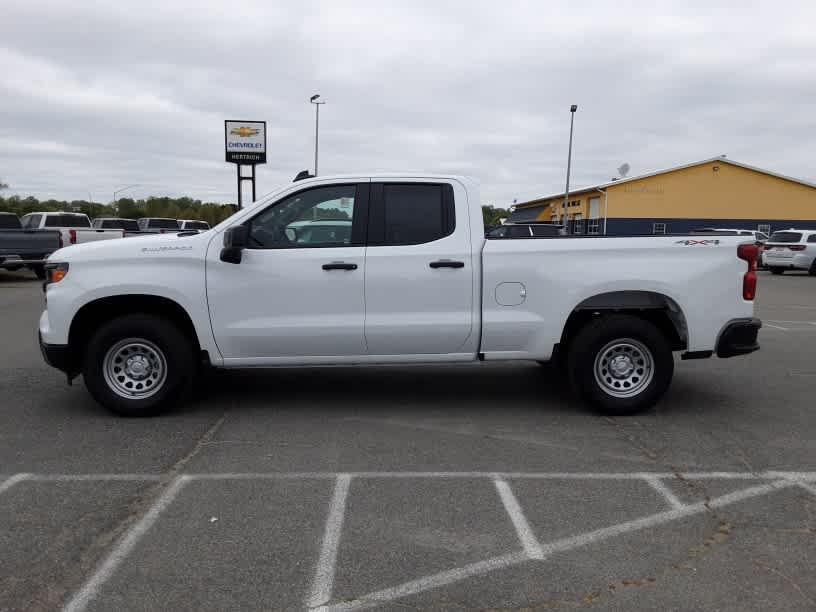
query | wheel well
[658, 309]
[100, 311]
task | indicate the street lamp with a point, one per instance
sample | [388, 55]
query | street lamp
[565, 220]
[314, 100]
[120, 190]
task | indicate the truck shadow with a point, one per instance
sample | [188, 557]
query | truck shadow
[525, 386]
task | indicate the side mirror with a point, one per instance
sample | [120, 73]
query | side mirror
[235, 241]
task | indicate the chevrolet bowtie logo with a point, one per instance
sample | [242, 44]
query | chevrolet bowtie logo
[244, 132]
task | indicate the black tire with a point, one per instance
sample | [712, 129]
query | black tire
[166, 342]
[39, 271]
[777, 270]
[812, 270]
[601, 336]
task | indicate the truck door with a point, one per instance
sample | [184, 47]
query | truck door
[298, 291]
[419, 272]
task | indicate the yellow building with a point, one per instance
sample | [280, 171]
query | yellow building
[717, 192]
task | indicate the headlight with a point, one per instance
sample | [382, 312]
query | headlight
[55, 272]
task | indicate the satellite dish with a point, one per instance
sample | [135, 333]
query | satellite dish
[623, 169]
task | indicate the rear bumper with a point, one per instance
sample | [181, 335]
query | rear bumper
[739, 337]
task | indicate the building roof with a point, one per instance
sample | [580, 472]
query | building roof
[721, 159]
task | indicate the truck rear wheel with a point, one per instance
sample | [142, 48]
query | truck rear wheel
[138, 365]
[777, 270]
[620, 364]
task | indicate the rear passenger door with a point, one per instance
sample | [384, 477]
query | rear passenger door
[419, 273]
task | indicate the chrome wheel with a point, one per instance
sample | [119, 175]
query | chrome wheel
[624, 367]
[135, 368]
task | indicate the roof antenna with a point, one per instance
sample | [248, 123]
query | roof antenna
[303, 174]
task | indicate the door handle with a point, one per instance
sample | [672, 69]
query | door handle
[339, 265]
[447, 263]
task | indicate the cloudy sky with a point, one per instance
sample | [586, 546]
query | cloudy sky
[98, 95]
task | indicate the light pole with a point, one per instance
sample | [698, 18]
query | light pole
[314, 100]
[120, 190]
[565, 220]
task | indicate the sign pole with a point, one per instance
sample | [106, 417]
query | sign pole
[238, 169]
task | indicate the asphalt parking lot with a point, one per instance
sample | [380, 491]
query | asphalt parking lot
[478, 487]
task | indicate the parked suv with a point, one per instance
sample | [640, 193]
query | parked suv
[791, 249]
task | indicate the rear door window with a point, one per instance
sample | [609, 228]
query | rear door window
[812, 238]
[785, 237]
[411, 213]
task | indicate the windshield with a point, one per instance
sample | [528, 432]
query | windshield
[67, 221]
[785, 237]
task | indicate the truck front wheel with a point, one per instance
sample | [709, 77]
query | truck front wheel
[138, 365]
[620, 364]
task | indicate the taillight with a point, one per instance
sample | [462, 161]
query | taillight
[72, 235]
[749, 253]
[797, 247]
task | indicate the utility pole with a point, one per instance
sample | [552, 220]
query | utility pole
[314, 100]
[565, 218]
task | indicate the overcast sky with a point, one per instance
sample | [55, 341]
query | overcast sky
[98, 95]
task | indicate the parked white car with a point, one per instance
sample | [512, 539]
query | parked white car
[74, 228]
[792, 249]
[408, 278]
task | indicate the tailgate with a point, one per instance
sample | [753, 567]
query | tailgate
[21, 242]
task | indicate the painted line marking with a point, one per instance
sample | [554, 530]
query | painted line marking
[108, 567]
[525, 533]
[776, 326]
[13, 480]
[769, 475]
[808, 487]
[324, 575]
[563, 545]
[660, 518]
[658, 485]
[99, 477]
[428, 583]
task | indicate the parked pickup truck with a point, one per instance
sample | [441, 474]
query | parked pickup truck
[413, 281]
[75, 228]
[25, 248]
[158, 225]
[130, 226]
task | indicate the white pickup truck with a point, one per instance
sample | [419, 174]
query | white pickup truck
[74, 228]
[391, 269]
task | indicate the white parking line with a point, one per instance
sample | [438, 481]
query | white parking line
[324, 575]
[91, 588]
[658, 485]
[775, 326]
[428, 583]
[13, 480]
[563, 545]
[808, 487]
[514, 511]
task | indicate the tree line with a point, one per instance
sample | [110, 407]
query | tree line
[173, 208]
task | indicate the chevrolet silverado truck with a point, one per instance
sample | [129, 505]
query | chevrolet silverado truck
[27, 248]
[405, 276]
[75, 228]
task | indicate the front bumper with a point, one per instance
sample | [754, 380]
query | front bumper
[739, 337]
[58, 356]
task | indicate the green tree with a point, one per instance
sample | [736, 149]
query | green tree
[3, 185]
[493, 215]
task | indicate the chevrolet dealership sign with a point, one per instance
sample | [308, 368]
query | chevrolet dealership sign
[245, 142]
